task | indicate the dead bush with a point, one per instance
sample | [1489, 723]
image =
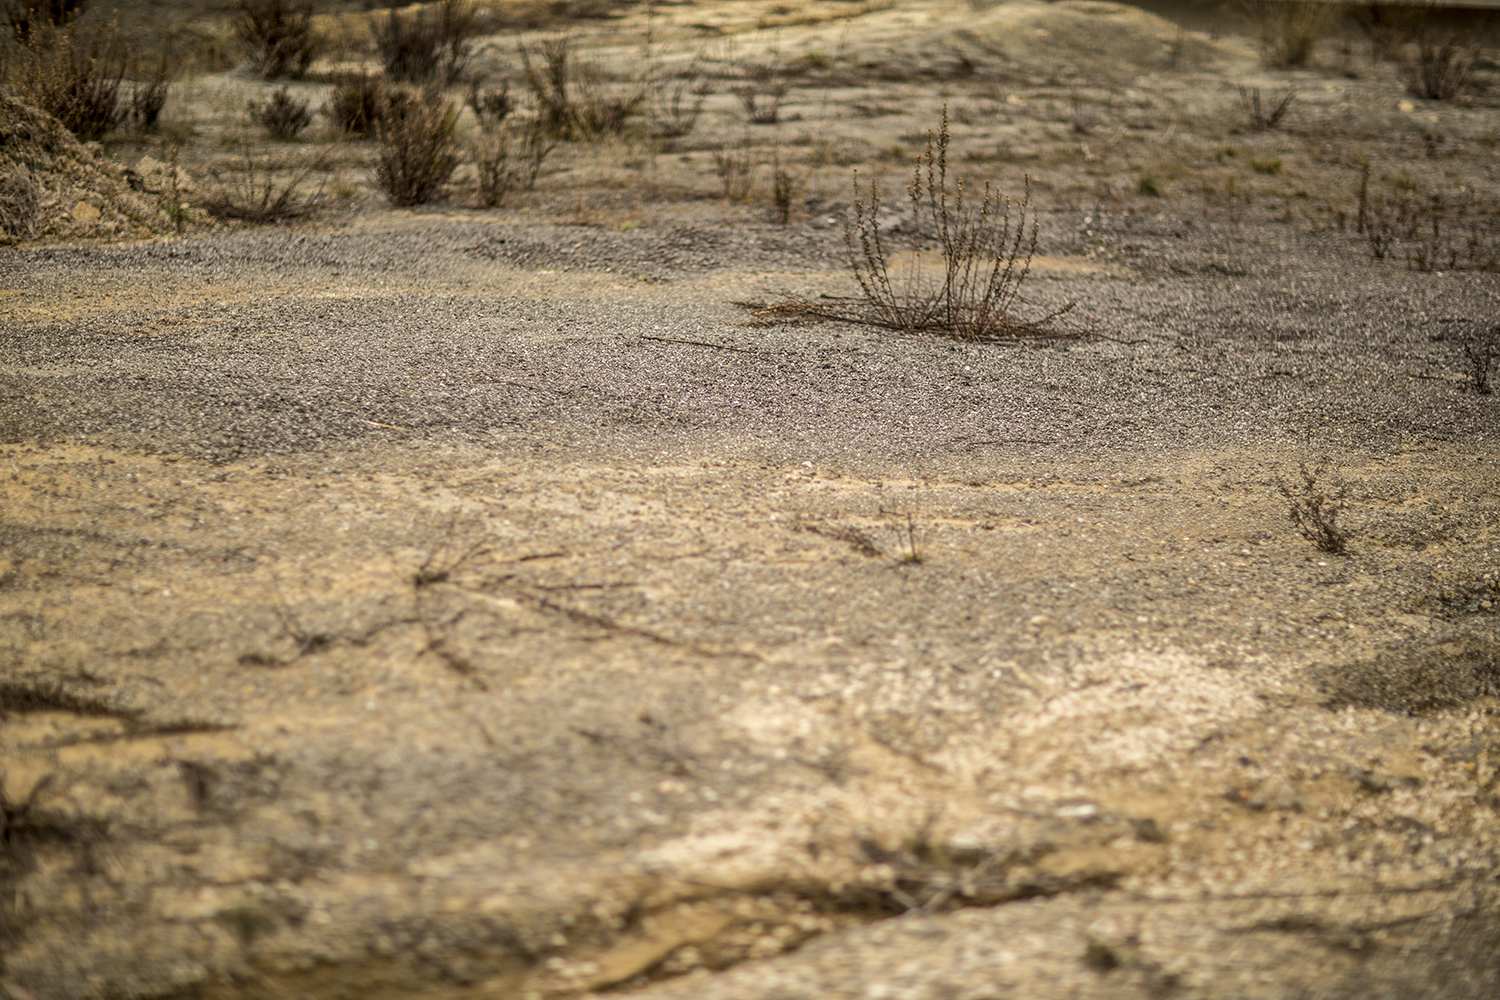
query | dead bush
[1289, 30]
[359, 102]
[734, 168]
[279, 35]
[25, 16]
[490, 107]
[283, 115]
[675, 109]
[1442, 66]
[509, 157]
[417, 149]
[1262, 119]
[572, 98]
[1315, 501]
[785, 186]
[1480, 350]
[266, 188]
[968, 257]
[762, 93]
[429, 45]
[73, 75]
[149, 96]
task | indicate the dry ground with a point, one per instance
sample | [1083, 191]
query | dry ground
[460, 604]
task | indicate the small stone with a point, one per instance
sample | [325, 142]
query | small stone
[84, 212]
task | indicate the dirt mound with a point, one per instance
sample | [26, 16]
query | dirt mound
[53, 186]
[1027, 38]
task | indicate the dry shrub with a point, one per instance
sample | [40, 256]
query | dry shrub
[967, 262]
[509, 156]
[1270, 116]
[734, 168]
[26, 16]
[490, 107]
[1315, 503]
[762, 93]
[149, 96]
[267, 188]
[283, 115]
[417, 149]
[785, 186]
[573, 100]
[675, 110]
[1289, 30]
[358, 103]
[279, 35]
[1442, 66]
[1480, 350]
[430, 45]
[72, 75]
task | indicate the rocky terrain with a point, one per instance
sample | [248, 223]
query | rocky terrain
[453, 603]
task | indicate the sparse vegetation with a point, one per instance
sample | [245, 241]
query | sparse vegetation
[74, 75]
[1480, 350]
[358, 103]
[508, 157]
[911, 553]
[279, 35]
[1315, 502]
[266, 188]
[431, 44]
[149, 96]
[283, 115]
[490, 107]
[784, 189]
[985, 251]
[675, 113]
[1289, 30]
[762, 93]
[27, 16]
[1442, 66]
[572, 97]
[734, 168]
[1262, 119]
[418, 151]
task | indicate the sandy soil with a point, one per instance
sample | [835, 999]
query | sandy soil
[456, 604]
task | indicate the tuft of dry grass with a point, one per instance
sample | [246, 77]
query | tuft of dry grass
[1265, 118]
[1479, 351]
